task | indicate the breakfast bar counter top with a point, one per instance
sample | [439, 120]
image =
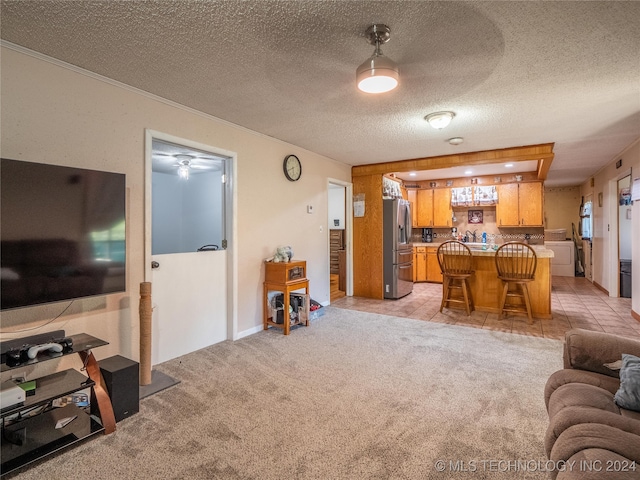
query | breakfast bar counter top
[477, 249]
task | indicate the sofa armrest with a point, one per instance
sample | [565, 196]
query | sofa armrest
[587, 350]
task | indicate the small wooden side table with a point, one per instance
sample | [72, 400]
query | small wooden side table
[285, 278]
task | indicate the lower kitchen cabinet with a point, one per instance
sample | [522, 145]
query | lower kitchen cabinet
[420, 264]
[425, 265]
[434, 274]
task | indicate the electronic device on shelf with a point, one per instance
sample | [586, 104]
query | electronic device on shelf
[26, 352]
[36, 349]
[11, 395]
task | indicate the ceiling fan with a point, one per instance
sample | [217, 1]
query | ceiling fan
[184, 163]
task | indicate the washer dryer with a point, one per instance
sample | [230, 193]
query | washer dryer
[563, 262]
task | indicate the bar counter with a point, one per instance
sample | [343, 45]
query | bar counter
[486, 287]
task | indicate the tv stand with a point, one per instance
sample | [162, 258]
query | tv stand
[28, 439]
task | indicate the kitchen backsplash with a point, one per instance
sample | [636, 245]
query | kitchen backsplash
[466, 223]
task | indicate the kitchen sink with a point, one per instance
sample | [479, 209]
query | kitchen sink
[478, 245]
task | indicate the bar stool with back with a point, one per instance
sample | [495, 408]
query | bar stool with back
[516, 263]
[456, 264]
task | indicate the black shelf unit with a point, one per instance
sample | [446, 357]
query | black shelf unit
[27, 439]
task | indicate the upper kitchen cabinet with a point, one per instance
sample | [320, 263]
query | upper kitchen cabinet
[424, 208]
[434, 208]
[442, 212]
[412, 196]
[519, 205]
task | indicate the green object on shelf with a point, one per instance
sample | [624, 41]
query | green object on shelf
[29, 387]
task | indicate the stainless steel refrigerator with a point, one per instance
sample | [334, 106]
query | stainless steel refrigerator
[397, 248]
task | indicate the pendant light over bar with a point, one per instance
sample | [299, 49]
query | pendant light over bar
[378, 74]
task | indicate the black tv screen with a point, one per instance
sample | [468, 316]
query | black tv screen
[62, 233]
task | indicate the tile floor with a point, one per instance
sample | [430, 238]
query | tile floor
[575, 303]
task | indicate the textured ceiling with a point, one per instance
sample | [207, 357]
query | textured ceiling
[515, 73]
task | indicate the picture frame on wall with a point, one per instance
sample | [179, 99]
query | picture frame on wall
[475, 217]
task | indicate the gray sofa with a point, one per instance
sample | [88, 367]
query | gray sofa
[589, 436]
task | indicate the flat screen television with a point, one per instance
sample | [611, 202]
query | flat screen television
[62, 233]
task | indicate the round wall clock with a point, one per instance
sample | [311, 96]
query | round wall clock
[292, 168]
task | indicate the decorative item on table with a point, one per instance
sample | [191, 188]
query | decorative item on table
[283, 254]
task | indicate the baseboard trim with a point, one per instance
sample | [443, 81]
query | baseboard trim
[601, 288]
[635, 315]
[250, 331]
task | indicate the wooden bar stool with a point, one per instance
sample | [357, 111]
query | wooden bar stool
[516, 263]
[456, 264]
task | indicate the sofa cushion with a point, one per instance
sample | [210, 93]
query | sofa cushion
[610, 442]
[581, 395]
[567, 376]
[630, 414]
[628, 395]
[576, 415]
[586, 350]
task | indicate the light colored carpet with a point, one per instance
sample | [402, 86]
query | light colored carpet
[354, 396]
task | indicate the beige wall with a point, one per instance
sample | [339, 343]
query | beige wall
[605, 223]
[58, 115]
[561, 208]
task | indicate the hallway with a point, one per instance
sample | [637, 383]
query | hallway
[575, 303]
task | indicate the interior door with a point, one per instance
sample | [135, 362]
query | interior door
[188, 255]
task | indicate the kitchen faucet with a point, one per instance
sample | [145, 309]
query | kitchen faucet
[471, 234]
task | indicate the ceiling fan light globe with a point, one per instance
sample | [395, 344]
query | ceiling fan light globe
[183, 172]
[377, 75]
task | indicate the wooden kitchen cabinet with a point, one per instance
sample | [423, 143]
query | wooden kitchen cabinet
[442, 212]
[519, 205]
[434, 208]
[412, 197]
[425, 208]
[434, 274]
[420, 264]
[530, 204]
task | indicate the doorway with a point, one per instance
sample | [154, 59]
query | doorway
[625, 235]
[340, 239]
[188, 245]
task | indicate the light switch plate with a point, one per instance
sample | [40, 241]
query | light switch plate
[309, 208]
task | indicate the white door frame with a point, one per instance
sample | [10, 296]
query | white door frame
[613, 235]
[348, 221]
[231, 224]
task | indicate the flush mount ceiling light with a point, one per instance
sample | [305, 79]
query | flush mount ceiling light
[456, 140]
[439, 120]
[378, 74]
